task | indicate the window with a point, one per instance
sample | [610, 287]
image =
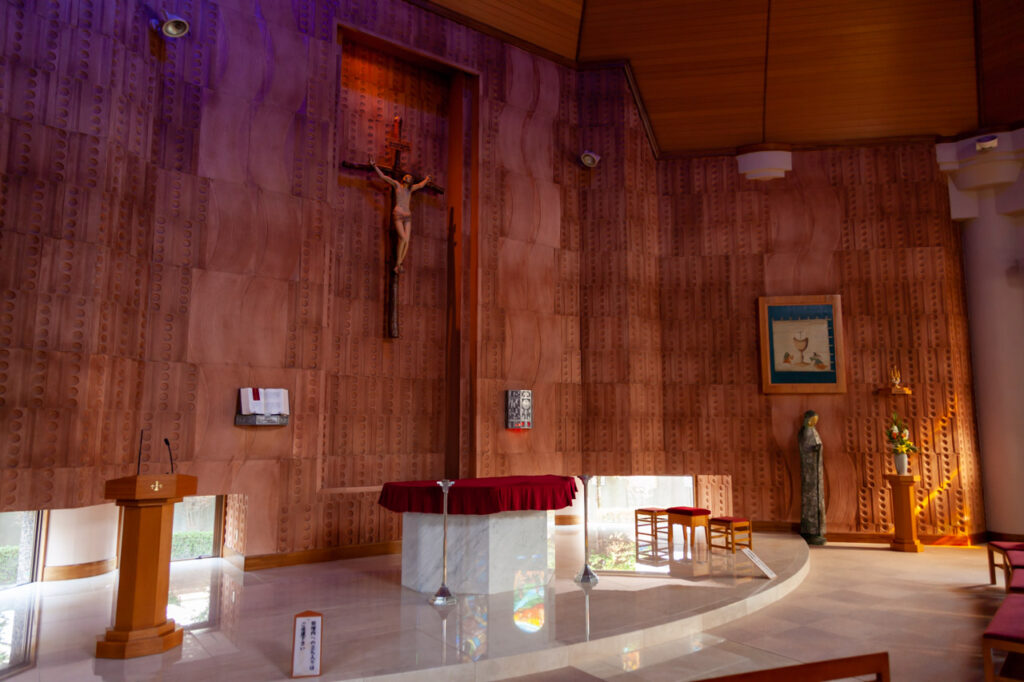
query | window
[19, 539]
[196, 531]
[19, 543]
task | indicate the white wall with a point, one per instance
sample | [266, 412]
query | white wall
[81, 536]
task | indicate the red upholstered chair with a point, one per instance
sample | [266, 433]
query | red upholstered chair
[650, 525]
[1005, 632]
[1016, 582]
[731, 531]
[692, 518]
[1000, 548]
[1013, 561]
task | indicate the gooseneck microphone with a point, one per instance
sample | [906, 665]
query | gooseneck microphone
[138, 462]
[169, 455]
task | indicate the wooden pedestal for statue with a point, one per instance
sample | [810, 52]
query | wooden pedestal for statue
[141, 626]
[905, 530]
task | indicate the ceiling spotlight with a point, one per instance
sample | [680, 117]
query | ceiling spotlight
[171, 25]
[589, 159]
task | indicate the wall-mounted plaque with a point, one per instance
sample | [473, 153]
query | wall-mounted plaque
[518, 409]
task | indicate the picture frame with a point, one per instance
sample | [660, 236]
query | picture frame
[802, 348]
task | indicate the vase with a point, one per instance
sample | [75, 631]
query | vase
[900, 460]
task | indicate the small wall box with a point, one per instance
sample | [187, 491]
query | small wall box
[262, 407]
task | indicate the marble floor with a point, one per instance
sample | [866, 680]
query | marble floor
[699, 615]
[927, 610]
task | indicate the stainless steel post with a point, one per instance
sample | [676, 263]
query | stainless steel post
[443, 596]
[586, 574]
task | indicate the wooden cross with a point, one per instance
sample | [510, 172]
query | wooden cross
[394, 145]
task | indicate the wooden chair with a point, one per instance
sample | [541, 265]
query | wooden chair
[731, 531]
[1016, 583]
[692, 518]
[650, 525]
[1000, 548]
[1005, 632]
[1013, 560]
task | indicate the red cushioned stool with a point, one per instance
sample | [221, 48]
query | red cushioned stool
[650, 525]
[732, 531]
[692, 518]
[1005, 632]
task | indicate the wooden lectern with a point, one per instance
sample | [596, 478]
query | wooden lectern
[905, 529]
[141, 626]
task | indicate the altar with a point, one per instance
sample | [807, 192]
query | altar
[497, 530]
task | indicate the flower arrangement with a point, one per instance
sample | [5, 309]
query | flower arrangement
[899, 437]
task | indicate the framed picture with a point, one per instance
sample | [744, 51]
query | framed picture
[802, 344]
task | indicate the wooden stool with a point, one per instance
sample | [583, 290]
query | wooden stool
[727, 528]
[650, 525]
[689, 517]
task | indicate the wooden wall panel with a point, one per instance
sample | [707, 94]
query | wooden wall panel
[854, 70]
[385, 418]
[1000, 31]
[553, 25]
[620, 341]
[529, 263]
[836, 71]
[870, 224]
[173, 227]
[699, 68]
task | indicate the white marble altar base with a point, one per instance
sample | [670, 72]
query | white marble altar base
[485, 553]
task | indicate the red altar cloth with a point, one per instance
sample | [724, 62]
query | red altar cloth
[480, 495]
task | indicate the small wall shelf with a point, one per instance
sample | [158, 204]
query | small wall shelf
[261, 420]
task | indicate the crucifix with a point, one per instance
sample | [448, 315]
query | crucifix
[402, 187]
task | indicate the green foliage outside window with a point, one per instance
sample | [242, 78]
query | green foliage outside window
[8, 564]
[614, 553]
[190, 544]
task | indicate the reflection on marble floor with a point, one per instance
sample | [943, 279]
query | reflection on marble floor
[239, 624]
[927, 610]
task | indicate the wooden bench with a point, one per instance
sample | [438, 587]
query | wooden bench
[1016, 583]
[833, 669]
[1002, 549]
[1005, 632]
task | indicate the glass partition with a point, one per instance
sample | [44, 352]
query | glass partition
[613, 499]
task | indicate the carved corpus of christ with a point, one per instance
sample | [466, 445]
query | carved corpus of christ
[401, 214]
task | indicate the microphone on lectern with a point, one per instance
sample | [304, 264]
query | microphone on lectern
[138, 461]
[169, 455]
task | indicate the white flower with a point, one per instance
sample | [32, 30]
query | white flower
[906, 434]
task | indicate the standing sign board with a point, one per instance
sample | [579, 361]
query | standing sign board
[306, 639]
[769, 573]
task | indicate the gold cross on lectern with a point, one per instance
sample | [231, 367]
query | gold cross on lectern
[156, 486]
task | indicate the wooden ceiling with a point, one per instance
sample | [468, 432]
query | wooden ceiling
[718, 75]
